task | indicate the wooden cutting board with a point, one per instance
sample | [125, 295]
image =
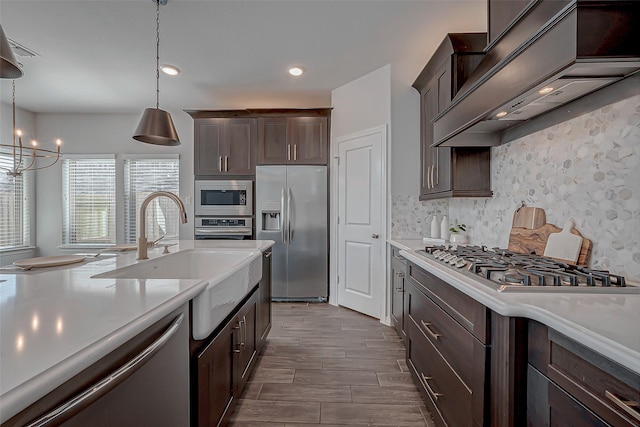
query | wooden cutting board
[527, 241]
[564, 245]
[529, 217]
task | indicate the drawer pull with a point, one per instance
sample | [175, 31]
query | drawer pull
[399, 289]
[429, 331]
[626, 405]
[433, 394]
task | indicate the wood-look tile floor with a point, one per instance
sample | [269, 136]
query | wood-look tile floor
[330, 366]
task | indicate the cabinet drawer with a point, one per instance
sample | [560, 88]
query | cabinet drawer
[460, 349]
[469, 313]
[448, 398]
[607, 388]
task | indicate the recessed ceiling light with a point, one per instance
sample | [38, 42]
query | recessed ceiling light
[501, 114]
[545, 90]
[170, 70]
[296, 71]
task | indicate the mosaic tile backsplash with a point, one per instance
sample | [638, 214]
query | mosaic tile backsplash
[586, 169]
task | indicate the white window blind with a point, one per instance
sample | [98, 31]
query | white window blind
[14, 207]
[141, 178]
[89, 212]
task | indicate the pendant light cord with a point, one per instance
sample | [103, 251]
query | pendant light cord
[157, 54]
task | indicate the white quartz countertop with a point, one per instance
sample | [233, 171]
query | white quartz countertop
[606, 323]
[57, 321]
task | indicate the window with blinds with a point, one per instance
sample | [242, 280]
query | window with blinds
[89, 191]
[141, 178]
[14, 207]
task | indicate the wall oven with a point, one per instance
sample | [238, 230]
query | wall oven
[223, 228]
[220, 198]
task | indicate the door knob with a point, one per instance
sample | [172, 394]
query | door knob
[375, 235]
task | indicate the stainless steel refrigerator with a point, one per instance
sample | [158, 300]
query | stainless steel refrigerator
[291, 209]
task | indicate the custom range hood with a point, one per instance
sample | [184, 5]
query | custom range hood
[555, 52]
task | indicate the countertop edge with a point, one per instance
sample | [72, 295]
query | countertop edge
[504, 306]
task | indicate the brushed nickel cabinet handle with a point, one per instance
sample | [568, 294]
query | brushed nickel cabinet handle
[626, 405]
[268, 255]
[295, 151]
[226, 163]
[428, 177]
[244, 323]
[433, 185]
[107, 383]
[429, 389]
[429, 331]
[219, 163]
[288, 151]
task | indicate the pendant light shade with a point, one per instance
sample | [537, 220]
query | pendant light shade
[9, 68]
[156, 127]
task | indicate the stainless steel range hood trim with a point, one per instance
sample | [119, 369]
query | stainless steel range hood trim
[541, 59]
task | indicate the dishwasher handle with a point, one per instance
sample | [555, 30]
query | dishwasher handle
[108, 383]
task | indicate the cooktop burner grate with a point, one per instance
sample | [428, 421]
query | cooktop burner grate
[506, 270]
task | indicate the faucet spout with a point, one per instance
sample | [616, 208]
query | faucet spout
[142, 222]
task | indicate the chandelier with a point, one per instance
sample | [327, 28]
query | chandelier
[26, 157]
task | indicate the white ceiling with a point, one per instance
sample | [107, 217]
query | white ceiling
[99, 56]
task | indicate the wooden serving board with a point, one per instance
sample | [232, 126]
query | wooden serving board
[529, 217]
[527, 241]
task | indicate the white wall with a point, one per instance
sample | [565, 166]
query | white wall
[101, 134]
[362, 104]
[25, 121]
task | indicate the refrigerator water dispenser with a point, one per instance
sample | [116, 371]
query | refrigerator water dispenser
[271, 216]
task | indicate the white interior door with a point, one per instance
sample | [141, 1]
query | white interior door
[361, 233]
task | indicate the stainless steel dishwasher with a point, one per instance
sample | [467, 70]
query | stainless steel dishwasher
[144, 382]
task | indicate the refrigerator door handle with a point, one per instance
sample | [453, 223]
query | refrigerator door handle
[283, 228]
[290, 216]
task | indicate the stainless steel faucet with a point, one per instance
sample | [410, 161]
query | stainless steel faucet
[142, 240]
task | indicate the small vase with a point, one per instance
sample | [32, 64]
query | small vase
[459, 238]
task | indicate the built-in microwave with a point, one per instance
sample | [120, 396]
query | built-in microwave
[222, 198]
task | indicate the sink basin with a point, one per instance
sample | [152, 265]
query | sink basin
[188, 264]
[230, 274]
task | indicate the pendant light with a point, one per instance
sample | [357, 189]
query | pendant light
[156, 126]
[9, 68]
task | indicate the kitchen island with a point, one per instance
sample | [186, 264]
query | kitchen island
[58, 321]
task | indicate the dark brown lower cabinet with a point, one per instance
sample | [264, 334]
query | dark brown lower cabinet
[216, 367]
[570, 384]
[446, 349]
[549, 405]
[264, 303]
[222, 367]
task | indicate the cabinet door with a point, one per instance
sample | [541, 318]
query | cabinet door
[428, 110]
[239, 147]
[273, 148]
[208, 146]
[309, 140]
[397, 298]
[549, 405]
[264, 305]
[216, 365]
[246, 319]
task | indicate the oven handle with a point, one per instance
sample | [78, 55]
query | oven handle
[243, 231]
[108, 383]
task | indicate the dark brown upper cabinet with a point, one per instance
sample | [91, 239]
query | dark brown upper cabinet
[224, 146]
[293, 140]
[445, 171]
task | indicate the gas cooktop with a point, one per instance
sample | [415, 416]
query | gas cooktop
[507, 271]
